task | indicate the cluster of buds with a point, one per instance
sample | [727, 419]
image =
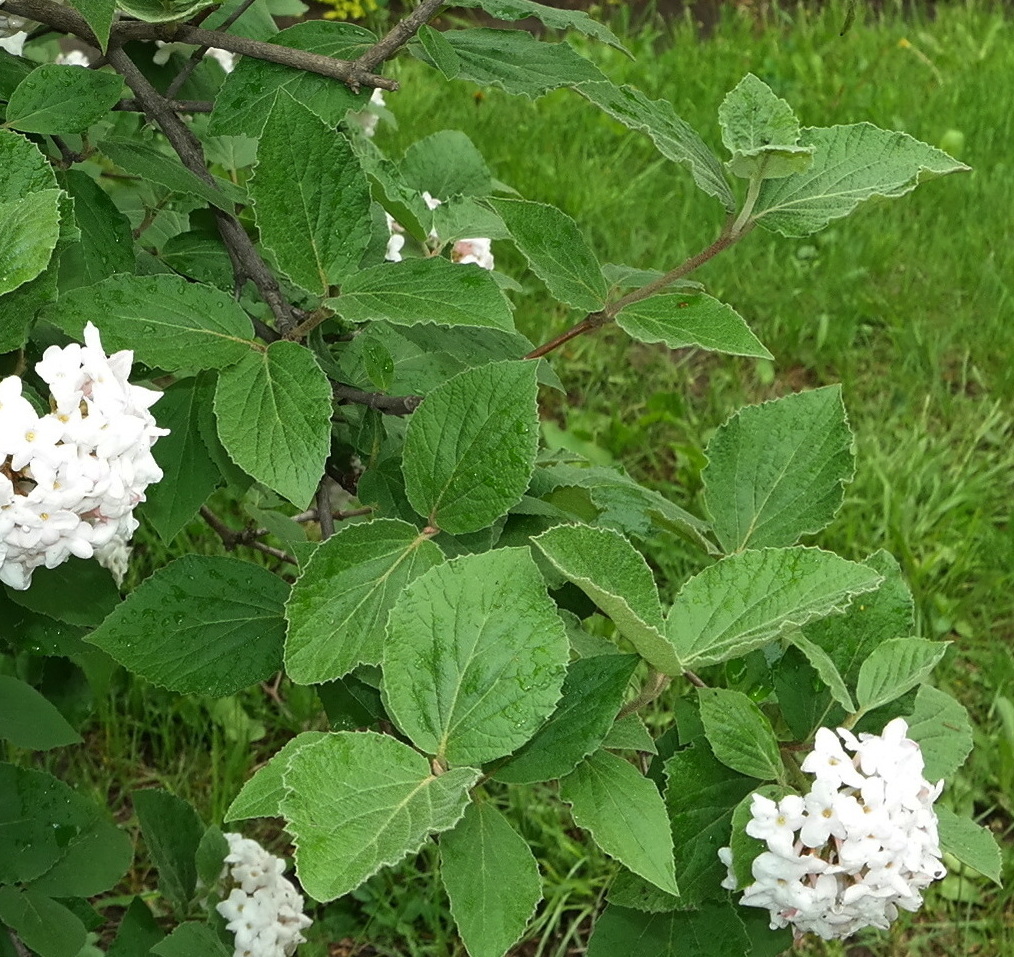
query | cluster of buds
[477, 250]
[265, 911]
[860, 845]
[69, 479]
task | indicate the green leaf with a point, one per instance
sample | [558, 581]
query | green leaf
[201, 257]
[246, 98]
[154, 166]
[740, 734]
[440, 53]
[30, 721]
[273, 410]
[674, 138]
[750, 599]
[359, 801]
[23, 168]
[941, 726]
[210, 857]
[13, 69]
[162, 11]
[629, 734]
[470, 447]
[338, 609]
[552, 17]
[137, 932]
[99, 16]
[165, 320]
[894, 667]
[475, 657]
[851, 164]
[746, 849]
[262, 794]
[79, 592]
[701, 795]
[624, 813]
[41, 923]
[311, 197]
[681, 320]
[446, 164]
[351, 703]
[777, 471]
[614, 575]
[593, 692]
[172, 832]
[712, 931]
[761, 132]
[31, 227]
[190, 475]
[516, 62]
[431, 290]
[94, 861]
[969, 843]
[190, 939]
[106, 245]
[200, 625]
[822, 663]
[59, 99]
[556, 251]
[492, 880]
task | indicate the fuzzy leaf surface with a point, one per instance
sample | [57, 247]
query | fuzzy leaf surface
[262, 794]
[894, 667]
[740, 735]
[941, 726]
[552, 17]
[969, 843]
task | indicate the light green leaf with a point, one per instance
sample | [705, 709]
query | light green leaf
[23, 168]
[771, 162]
[431, 290]
[492, 880]
[674, 138]
[593, 692]
[311, 197]
[41, 923]
[31, 227]
[359, 801]
[99, 15]
[894, 667]
[624, 813]
[446, 164]
[941, 726]
[630, 734]
[190, 474]
[162, 11]
[273, 410]
[714, 930]
[681, 320]
[262, 794]
[556, 251]
[475, 656]
[338, 609]
[246, 97]
[751, 598]
[777, 471]
[154, 166]
[470, 447]
[740, 734]
[440, 53]
[30, 721]
[206, 625]
[969, 843]
[851, 164]
[59, 99]
[614, 575]
[552, 17]
[167, 321]
[172, 833]
[516, 62]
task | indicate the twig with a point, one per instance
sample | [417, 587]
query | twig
[399, 35]
[324, 515]
[232, 539]
[198, 54]
[177, 106]
[389, 404]
[246, 261]
[694, 679]
[310, 515]
[68, 20]
[20, 949]
[585, 325]
[655, 684]
[69, 156]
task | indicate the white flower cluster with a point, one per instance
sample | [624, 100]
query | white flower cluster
[862, 843]
[369, 117]
[265, 912]
[477, 250]
[69, 479]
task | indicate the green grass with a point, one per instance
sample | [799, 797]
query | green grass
[907, 303]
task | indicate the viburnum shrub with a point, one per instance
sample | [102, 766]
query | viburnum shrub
[322, 329]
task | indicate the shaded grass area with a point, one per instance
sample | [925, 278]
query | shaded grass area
[907, 303]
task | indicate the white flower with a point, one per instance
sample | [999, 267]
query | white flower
[476, 251]
[861, 844]
[74, 58]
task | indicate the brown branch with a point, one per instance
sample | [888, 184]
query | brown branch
[198, 54]
[399, 35]
[246, 261]
[232, 539]
[177, 106]
[585, 325]
[68, 20]
[325, 517]
[389, 404]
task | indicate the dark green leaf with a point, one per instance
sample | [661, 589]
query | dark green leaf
[29, 721]
[172, 833]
